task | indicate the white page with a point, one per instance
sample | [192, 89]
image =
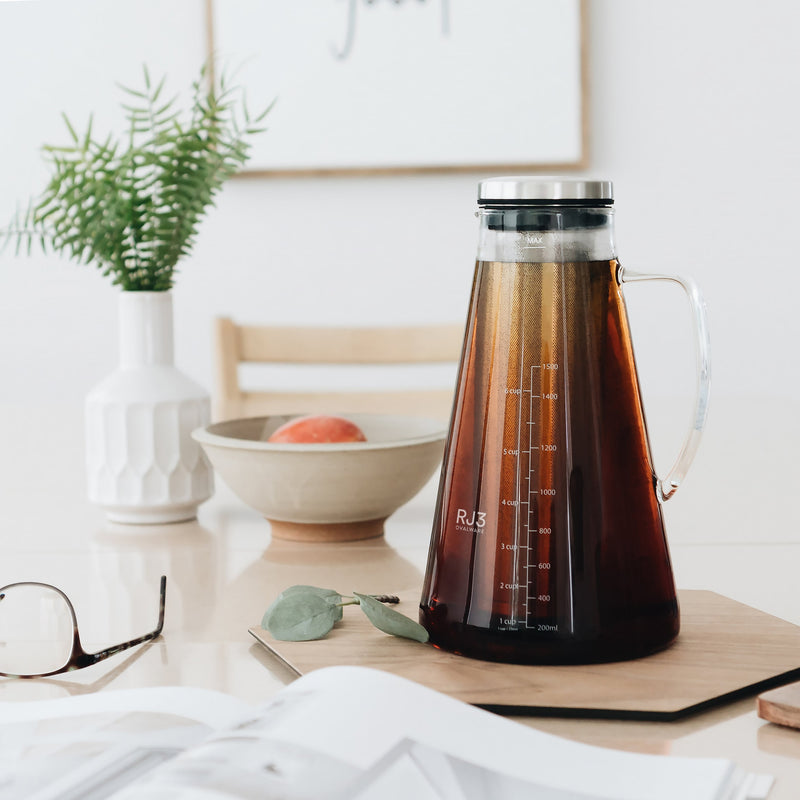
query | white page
[332, 732]
[82, 748]
[340, 710]
[441, 777]
[215, 709]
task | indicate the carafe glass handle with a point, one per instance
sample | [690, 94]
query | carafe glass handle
[666, 487]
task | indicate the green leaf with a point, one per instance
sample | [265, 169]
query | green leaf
[331, 595]
[300, 617]
[71, 130]
[87, 138]
[333, 598]
[390, 621]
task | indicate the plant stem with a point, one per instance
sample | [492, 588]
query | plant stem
[392, 599]
[386, 598]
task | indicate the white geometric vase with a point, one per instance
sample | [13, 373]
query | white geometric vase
[143, 465]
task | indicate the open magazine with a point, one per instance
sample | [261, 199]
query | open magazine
[346, 733]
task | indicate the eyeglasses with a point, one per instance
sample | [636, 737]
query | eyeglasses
[39, 632]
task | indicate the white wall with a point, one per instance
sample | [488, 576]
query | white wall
[694, 116]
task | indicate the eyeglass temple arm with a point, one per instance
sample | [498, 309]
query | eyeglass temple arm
[87, 659]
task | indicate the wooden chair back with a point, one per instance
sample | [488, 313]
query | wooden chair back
[237, 344]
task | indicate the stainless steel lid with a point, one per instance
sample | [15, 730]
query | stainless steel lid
[531, 189]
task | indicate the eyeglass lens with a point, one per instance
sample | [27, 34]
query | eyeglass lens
[36, 630]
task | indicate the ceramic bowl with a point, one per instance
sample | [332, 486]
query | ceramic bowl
[326, 492]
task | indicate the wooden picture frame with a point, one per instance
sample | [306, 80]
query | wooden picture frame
[408, 86]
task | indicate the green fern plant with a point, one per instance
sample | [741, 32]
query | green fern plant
[133, 206]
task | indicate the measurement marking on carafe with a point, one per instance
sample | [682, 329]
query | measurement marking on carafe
[543, 391]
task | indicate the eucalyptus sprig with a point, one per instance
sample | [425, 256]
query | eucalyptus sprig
[132, 206]
[302, 613]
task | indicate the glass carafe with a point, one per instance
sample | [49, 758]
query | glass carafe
[548, 542]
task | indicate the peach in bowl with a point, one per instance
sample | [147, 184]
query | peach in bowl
[311, 487]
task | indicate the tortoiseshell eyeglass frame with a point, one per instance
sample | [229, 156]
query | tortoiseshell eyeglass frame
[79, 658]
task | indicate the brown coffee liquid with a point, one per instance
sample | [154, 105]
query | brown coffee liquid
[548, 542]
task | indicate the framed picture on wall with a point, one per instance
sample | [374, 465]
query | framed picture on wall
[408, 85]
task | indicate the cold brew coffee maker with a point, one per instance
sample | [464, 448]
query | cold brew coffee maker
[548, 542]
